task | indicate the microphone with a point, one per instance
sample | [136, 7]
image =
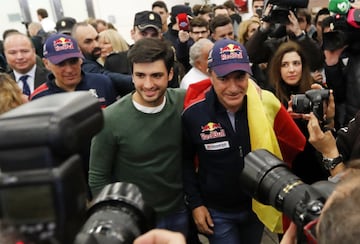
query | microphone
[339, 6]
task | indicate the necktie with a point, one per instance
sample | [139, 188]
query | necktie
[26, 88]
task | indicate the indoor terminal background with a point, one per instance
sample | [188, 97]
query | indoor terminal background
[121, 13]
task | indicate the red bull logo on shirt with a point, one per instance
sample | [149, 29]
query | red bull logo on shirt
[212, 130]
[63, 44]
[231, 51]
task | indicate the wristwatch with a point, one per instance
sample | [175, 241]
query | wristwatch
[330, 163]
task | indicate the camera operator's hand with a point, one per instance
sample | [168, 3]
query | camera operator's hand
[159, 236]
[332, 57]
[317, 76]
[293, 26]
[324, 142]
[203, 220]
[265, 26]
[290, 235]
[183, 36]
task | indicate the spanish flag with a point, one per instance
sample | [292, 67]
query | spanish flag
[271, 128]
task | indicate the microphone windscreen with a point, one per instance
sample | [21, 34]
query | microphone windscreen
[339, 6]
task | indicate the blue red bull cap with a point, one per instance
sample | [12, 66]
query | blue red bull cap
[59, 47]
[228, 56]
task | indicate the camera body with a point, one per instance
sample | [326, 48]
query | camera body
[280, 10]
[269, 180]
[43, 191]
[311, 101]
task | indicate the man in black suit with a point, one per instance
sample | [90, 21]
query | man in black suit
[21, 57]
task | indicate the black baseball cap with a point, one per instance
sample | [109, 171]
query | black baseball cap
[65, 25]
[146, 19]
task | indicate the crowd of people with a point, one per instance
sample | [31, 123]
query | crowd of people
[200, 88]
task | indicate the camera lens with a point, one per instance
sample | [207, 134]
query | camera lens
[118, 215]
[301, 104]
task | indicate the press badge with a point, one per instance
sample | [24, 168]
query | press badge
[217, 145]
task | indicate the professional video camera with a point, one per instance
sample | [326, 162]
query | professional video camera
[43, 190]
[311, 101]
[344, 26]
[280, 10]
[268, 179]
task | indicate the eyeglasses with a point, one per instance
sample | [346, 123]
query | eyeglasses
[199, 32]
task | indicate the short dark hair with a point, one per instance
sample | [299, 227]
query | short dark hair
[160, 4]
[323, 11]
[149, 50]
[230, 4]
[220, 20]
[340, 220]
[42, 12]
[199, 22]
[201, 9]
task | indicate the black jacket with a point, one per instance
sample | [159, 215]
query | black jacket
[209, 134]
[41, 76]
[122, 83]
[348, 140]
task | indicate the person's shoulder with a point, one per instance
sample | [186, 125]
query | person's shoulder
[176, 92]
[41, 91]
[120, 107]
[97, 77]
[118, 54]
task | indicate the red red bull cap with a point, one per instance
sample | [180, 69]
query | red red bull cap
[228, 56]
[59, 47]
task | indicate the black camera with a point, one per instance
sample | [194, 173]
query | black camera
[43, 191]
[311, 101]
[280, 10]
[117, 215]
[269, 180]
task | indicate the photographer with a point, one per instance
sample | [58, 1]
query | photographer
[289, 74]
[342, 59]
[265, 41]
[339, 219]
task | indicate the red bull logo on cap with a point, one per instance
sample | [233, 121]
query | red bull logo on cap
[63, 44]
[231, 51]
[212, 130]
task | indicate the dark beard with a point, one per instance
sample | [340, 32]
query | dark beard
[93, 56]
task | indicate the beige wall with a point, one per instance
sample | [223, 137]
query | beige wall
[318, 3]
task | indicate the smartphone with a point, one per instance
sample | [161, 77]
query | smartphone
[183, 21]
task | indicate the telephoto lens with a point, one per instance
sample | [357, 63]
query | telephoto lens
[117, 216]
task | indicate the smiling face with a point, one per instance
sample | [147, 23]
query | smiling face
[291, 68]
[231, 89]
[19, 52]
[67, 73]
[151, 81]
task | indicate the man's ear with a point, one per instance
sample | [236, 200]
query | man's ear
[132, 33]
[171, 73]
[46, 63]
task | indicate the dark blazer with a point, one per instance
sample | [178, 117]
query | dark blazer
[41, 75]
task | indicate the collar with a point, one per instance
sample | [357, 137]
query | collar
[51, 81]
[30, 73]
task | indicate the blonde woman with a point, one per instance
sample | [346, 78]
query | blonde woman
[247, 28]
[10, 94]
[111, 41]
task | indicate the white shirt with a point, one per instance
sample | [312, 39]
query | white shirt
[30, 80]
[194, 75]
[48, 25]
